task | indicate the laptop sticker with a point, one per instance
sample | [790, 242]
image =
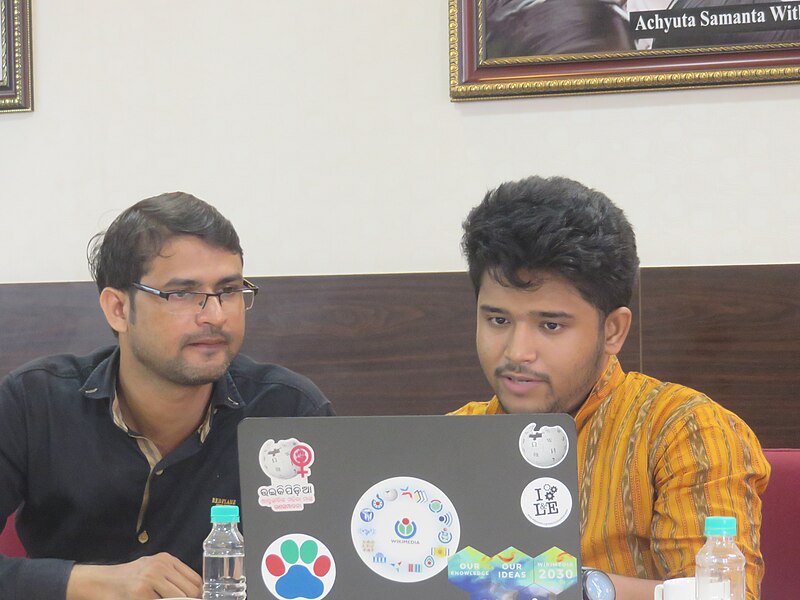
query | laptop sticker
[287, 463]
[512, 574]
[404, 529]
[546, 502]
[555, 570]
[544, 447]
[298, 566]
[470, 570]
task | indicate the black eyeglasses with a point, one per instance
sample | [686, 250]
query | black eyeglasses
[186, 302]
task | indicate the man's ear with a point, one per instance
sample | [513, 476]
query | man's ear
[116, 307]
[615, 330]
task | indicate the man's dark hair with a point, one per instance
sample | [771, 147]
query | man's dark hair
[553, 226]
[120, 256]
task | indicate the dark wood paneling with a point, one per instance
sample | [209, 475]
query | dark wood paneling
[37, 319]
[404, 344]
[375, 344]
[733, 333]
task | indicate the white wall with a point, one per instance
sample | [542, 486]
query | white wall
[325, 132]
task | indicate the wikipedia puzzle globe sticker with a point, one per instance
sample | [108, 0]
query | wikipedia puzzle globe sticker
[287, 463]
[404, 529]
[544, 447]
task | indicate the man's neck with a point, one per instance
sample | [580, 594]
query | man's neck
[163, 412]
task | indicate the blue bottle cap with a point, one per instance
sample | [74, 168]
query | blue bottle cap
[720, 526]
[224, 513]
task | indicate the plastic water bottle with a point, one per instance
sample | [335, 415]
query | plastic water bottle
[223, 557]
[720, 564]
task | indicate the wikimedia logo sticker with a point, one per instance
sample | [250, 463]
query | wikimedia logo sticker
[298, 566]
[404, 529]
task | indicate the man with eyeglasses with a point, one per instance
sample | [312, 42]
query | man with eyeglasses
[116, 457]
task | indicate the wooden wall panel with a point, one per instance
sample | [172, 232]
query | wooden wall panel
[37, 319]
[733, 333]
[404, 344]
[375, 344]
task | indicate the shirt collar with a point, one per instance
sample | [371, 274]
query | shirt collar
[102, 382]
[612, 377]
[225, 393]
[119, 421]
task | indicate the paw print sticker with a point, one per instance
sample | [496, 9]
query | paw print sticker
[298, 566]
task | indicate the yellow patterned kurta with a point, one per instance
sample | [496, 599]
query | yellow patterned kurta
[654, 459]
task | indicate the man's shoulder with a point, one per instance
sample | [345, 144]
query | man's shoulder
[671, 404]
[62, 366]
[253, 378]
[639, 384]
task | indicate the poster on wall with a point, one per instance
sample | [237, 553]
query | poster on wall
[513, 48]
[16, 93]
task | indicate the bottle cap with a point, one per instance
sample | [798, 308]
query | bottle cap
[720, 526]
[224, 513]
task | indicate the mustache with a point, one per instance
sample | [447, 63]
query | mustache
[215, 333]
[519, 369]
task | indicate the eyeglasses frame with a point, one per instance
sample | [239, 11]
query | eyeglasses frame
[249, 287]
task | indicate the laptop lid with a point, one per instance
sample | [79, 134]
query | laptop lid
[411, 507]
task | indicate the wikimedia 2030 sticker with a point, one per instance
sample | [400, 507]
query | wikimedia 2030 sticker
[298, 566]
[404, 529]
[546, 502]
[288, 465]
[544, 447]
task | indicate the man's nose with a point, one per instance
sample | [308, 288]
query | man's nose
[522, 344]
[212, 311]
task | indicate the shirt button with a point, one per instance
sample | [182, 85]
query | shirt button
[143, 537]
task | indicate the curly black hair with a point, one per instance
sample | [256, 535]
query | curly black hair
[553, 226]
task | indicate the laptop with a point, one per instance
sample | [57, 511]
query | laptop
[411, 507]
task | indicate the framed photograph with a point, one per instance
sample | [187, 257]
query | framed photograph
[513, 48]
[16, 93]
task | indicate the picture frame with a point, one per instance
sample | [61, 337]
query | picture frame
[703, 57]
[16, 89]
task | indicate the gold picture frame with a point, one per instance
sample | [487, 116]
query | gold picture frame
[16, 89]
[475, 74]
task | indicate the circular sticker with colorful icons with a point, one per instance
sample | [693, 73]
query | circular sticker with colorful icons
[298, 566]
[543, 447]
[404, 529]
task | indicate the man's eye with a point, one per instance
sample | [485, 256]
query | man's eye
[498, 320]
[180, 295]
[550, 326]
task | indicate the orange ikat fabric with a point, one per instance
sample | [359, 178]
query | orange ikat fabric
[654, 459]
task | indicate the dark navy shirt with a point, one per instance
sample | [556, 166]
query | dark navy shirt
[80, 479]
